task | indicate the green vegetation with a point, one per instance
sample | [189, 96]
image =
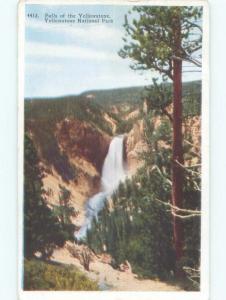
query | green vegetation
[191, 97]
[81, 108]
[139, 228]
[159, 97]
[43, 276]
[53, 110]
[64, 212]
[161, 39]
[117, 96]
[153, 220]
[132, 95]
[43, 231]
[124, 126]
[42, 116]
[191, 100]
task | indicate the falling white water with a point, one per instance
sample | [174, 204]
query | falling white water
[113, 172]
[113, 169]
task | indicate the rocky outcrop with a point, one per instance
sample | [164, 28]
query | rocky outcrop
[85, 148]
[79, 190]
[192, 138]
[111, 122]
[133, 114]
[134, 143]
[82, 140]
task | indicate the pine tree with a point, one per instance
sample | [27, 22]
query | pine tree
[160, 39]
[64, 212]
[42, 230]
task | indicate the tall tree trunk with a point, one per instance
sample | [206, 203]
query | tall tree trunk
[177, 172]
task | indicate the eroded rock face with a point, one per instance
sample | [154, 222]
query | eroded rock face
[192, 128]
[134, 143]
[81, 140]
[85, 148]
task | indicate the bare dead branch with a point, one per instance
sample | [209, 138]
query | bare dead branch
[187, 168]
[194, 25]
[188, 58]
[185, 217]
[182, 210]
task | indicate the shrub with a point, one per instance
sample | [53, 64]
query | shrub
[43, 276]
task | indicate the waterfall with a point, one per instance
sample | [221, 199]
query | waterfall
[113, 172]
[113, 169]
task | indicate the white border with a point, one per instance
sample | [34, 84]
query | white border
[203, 3]
[21, 41]
[204, 292]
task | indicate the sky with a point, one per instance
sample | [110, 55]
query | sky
[70, 58]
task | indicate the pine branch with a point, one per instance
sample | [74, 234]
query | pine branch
[187, 168]
[155, 167]
[195, 153]
[167, 72]
[192, 71]
[197, 187]
[182, 210]
[193, 61]
[185, 217]
[189, 59]
[194, 25]
[192, 274]
[165, 112]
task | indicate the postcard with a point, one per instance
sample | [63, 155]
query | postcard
[113, 150]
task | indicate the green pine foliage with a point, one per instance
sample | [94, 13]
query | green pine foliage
[64, 213]
[138, 225]
[159, 97]
[43, 276]
[42, 230]
[191, 99]
[150, 37]
[192, 226]
[124, 126]
[138, 229]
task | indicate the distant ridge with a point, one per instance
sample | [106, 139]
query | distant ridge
[115, 95]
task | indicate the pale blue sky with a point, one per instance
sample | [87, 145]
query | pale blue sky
[62, 59]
